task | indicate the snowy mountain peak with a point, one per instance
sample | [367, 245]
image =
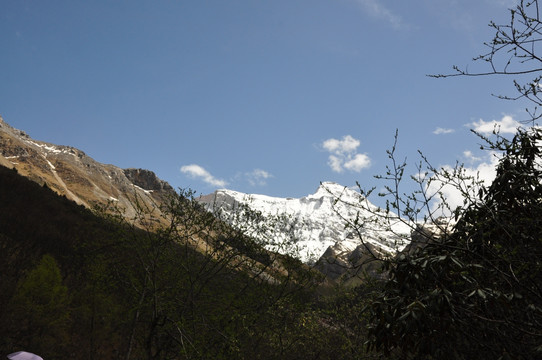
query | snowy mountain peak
[314, 222]
[327, 189]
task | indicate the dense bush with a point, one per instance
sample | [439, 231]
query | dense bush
[475, 292]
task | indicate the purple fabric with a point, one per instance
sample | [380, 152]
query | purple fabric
[23, 355]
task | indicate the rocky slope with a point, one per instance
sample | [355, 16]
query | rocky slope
[313, 228]
[70, 172]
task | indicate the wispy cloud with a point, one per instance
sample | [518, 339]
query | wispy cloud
[507, 125]
[440, 131]
[377, 10]
[343, 154]
[471, 158]
[198, 172]
[258, 177]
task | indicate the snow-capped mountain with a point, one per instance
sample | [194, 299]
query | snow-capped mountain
[306, 227]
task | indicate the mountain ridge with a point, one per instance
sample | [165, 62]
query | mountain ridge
[72, 173]
[312, 228]
[318, 221]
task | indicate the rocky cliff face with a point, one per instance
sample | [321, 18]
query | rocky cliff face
[313, 228]
[147, 180]
[70, 172]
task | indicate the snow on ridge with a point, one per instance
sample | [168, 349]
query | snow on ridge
[50, 148]
[317, 220]
[140, 188]
[50, 164]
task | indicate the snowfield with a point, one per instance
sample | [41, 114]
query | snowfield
[307, 226]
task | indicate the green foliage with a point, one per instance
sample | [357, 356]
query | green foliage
[477, 291]
[41, 303]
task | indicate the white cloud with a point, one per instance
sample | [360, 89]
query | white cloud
[470, 156]
[507, 125]
[346, 145]
[258, 177]
[376, 9]
[198, 172]
[358, 163]
[344, 154]
[480, 168]
[439, 131]
[484, 171]
[335, 163]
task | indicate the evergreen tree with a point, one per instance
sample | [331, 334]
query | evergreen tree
[41, 308]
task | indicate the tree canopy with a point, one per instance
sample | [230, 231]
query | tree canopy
[476, 291]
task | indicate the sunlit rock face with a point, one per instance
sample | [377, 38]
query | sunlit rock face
[147, 180]
[72, 173]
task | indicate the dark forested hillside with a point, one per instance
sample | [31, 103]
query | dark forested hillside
[78, 285]
[36, 224]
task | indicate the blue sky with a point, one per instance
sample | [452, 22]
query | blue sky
[266, 97]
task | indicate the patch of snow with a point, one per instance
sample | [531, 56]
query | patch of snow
[145, 191]
[51, 165]
[44, 146]
[51, 148]
[62, 183]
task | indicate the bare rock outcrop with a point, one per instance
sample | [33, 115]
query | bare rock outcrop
[147, 180]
